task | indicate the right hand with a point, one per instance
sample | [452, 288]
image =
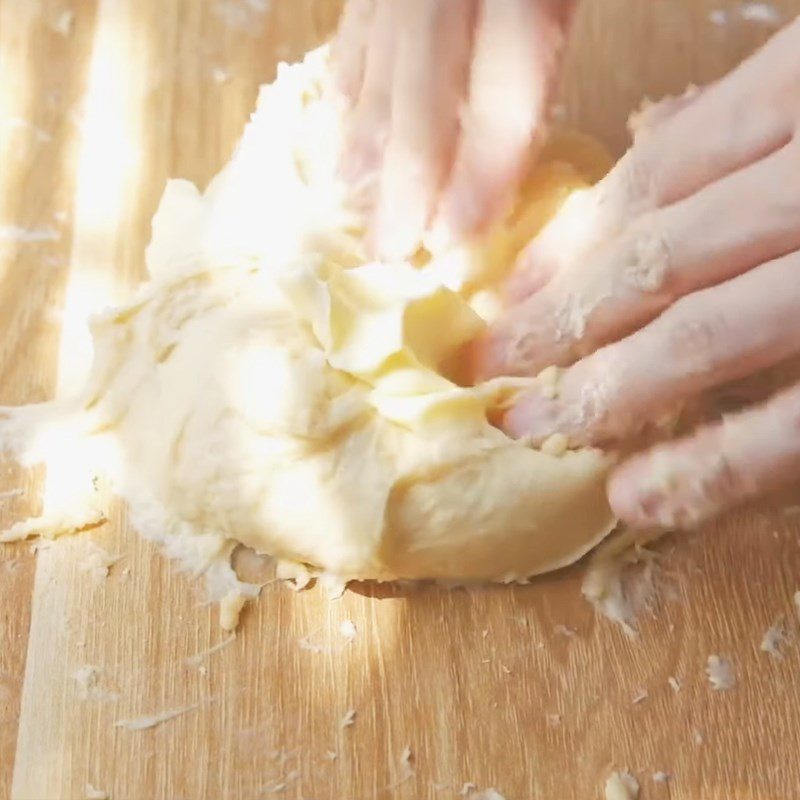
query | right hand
[676, 274]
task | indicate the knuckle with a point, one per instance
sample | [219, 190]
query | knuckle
[695, 333]
[649, 255]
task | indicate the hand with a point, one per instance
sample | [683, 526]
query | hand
[677, 273]
[446, 103]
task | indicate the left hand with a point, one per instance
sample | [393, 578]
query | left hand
[678, 273]
[446, 102]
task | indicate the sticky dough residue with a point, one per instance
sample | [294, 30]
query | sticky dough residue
[271, 386]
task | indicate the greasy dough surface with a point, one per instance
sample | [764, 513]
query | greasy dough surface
[271, 386]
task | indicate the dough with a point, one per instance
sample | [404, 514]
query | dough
[271, 386]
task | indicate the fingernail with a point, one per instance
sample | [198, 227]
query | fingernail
[638, 506]
[486, 356]
[533, 417]
[647, 493]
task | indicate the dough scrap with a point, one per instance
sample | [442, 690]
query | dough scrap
[621, 786]
[270, 385]
[720, 673]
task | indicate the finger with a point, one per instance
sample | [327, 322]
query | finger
[748, 218]
[707, 339]
[578, 224]
[368, 125]
[535, 266]
[650, 115]
[517, 51]
[573, 225]
[349, 47]
[745, 116]
[681, 484]
[430, 78]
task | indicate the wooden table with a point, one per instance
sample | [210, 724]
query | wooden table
[100, 102]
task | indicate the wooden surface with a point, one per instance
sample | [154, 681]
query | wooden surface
[93, 120]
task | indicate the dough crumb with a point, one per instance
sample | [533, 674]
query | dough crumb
[220, 75]
[775, 638]
[622, 786]
[555, 445]
[407, 770]
[243, 16]
[280, 786]
[407, 763]
[87, 677]
[661, 777]
[650, 262]
[571, 317]
[548, 380]
[621, 578]
[295, 575]
[487, 794]
[762, 13]
[754, 12]
[144, 723]
[720, 673]
[554, 720]
[63, 24]
[797, 602]
[348, 630]
[674, 683]
[53, 524]
[90, 793]
[13, 233]
[640, 696]
[331, 755]
[719, 16]
[230, 609]
[467, 789]
[11, 565]
[697, 737]
[98, 562]
[348, 719]
[305, 643]
[332, 585]
[563, 630]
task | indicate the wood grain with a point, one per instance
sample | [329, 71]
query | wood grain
[483, 686]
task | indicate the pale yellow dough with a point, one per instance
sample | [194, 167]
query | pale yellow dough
[271, 386]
